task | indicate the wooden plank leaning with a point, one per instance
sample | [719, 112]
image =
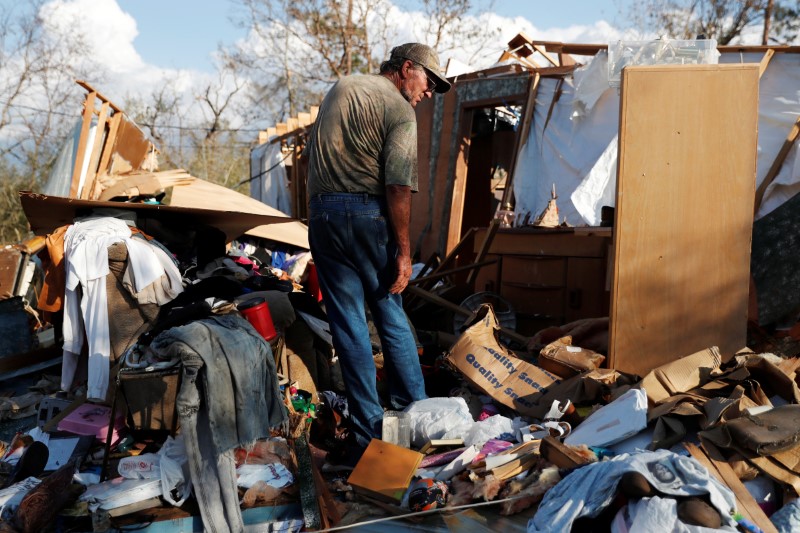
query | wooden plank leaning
[746, 505]
[773, 171]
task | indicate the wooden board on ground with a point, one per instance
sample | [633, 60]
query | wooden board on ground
[685, 191]
[746, 505]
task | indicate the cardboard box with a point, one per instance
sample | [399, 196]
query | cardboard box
[384, 471]
[91, 419]
[682, 375]
[563, 359]
[507, 379]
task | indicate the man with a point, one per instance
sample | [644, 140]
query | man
[362, 169]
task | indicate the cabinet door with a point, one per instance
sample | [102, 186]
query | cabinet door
[586, 295]
[535, 285]
[535, 271]
[688, 143]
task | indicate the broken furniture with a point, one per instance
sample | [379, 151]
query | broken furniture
[550, 276]
[685, 190]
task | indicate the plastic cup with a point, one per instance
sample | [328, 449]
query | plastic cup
[256, 311]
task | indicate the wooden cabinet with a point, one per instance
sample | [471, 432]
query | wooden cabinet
[550, 276]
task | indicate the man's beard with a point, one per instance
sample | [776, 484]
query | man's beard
[406, 94]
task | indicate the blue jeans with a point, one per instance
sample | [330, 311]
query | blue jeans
[354, 250]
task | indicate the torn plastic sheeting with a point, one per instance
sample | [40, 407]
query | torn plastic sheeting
[578, 142]
[176, 483]
[491, 428]
[438, 418]
[622, 418]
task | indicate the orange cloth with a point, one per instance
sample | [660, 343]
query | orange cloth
[55, 275]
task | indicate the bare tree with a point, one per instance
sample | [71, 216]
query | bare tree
[38, 66]
[448, 29]
[722, 20]
[302, 46]
[219, 154]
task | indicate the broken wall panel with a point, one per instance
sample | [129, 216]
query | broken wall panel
[685, 191]
[418, 225]
[131, 148]
[446, 147]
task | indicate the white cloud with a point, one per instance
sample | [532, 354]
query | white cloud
[110, 34]
[106, 29]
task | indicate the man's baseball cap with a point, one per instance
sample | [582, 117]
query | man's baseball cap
[426, 56]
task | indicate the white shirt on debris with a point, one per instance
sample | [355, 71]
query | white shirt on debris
[86, 261]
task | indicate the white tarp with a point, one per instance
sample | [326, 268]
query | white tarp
[778, 109]
[566, 140]
[269, 183]
[575, 147]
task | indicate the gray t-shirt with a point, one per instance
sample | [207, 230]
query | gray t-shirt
[365, 138]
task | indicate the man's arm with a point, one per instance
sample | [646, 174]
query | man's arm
[398, 199]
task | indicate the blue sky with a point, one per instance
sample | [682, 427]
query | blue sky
[183, 33]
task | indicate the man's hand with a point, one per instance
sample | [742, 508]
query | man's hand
[403, 274]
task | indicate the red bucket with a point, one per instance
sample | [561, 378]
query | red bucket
[312, 284]
[256, 311]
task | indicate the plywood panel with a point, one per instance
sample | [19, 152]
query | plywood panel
[420, 202]
[685, 190]
[459, 181]
[435, 215]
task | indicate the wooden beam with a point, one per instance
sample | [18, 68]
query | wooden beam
[576, 49]
[759, 48]
[544, 53]
[102, 98]
[459, 180]
[288, 134]
[292, 124]
[94, 156]
[773, 171]
[314, 112]
[494, 225]
[522, 137]
[304, 119]
[88, 112]
[765, 62]
[718, 467]
[281, 128]
[111, 139]
[456, 270]
[425, 295]
[462, 246]
[263, 137]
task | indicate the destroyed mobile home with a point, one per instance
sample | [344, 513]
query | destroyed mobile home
[606, 270]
